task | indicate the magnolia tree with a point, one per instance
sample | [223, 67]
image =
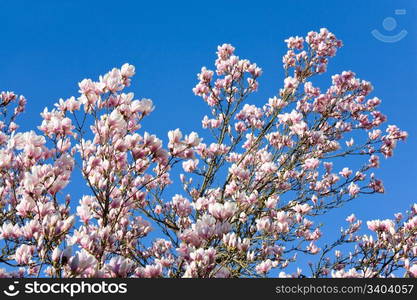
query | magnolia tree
[250, 196]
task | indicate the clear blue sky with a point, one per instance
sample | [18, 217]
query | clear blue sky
[48, 46]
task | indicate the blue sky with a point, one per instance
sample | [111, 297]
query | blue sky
[47, 47]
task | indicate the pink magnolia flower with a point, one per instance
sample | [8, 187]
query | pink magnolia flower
[413, 271]
[353, 189]
[24, 254]
[190, 165]
[295, 42]
[181, 205]
[223, 211]
[264, 267]
[346, 172]
[311, 163]
[290, 84]
[119, 266]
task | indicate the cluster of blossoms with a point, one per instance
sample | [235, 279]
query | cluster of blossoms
[234, 72]
[250, 197]
[391, 250]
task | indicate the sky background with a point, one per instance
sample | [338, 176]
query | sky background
[47, 47]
